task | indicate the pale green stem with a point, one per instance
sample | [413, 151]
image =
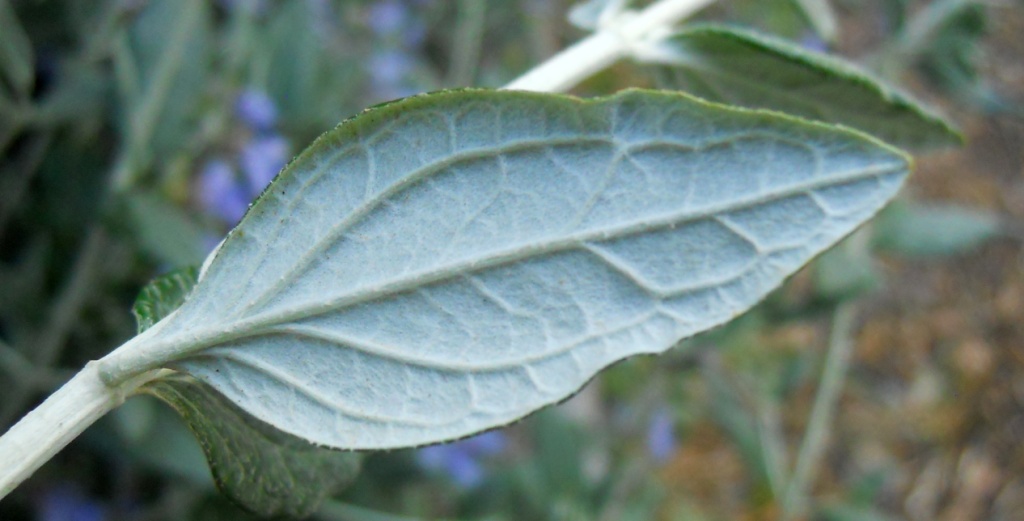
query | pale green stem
[822, 18]
[837, 362]
[15, 181]
[17, 366]
[145, 114]
[605, 47]
[469, 32]
[61, 418]
[637, 470]
[64, 314]
[773, 446]
[13, 116]
[630, 479]
[338, 511]
[26, 374]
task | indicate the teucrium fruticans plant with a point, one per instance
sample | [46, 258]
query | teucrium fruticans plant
[451, 262]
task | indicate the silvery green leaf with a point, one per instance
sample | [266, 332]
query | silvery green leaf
[922, 230]
[313, 85]
[261, 468]
[169, 53]
[17, 61]
[163, 230]
[846, 271]
[740, 67]
[451, 262]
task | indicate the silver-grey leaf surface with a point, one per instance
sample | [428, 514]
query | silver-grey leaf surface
[452, 262]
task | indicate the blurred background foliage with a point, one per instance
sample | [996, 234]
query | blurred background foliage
[885, 381]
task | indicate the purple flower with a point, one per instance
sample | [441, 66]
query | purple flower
[414, 34]
[490, 443]
[65, 503]
[661, 437]
[812, 42]
[256, 109]
[221, 193]
[461, 460]
[389, 67]
[388, 71]
[253, 7]
[262, 158]
[387, 17]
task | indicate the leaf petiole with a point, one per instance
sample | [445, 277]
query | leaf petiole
[58, 420]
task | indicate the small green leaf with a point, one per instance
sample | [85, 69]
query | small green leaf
[848, 512]
[261, 468]
[78, 96]
[162, 296]
[916, 230]
[17, 61]
[558, 444]
[738, 423]
[313, 85]
[847, 270]
[163, 72]
[744, 68]
[949, 51]
[821, 16]
[164, 230]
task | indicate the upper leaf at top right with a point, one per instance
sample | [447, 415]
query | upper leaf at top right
[748, 69]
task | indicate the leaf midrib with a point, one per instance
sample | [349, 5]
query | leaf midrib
[261, 323]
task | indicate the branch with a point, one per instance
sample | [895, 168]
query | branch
[606, 46]
[46, 430]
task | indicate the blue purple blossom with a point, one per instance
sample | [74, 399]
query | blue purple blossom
[390, 66]
[387, 17]
[262, 158]
[661, 437]
[461, 460]
[414, 34]
[253, 7]
[400, 33]
[812, 42]
[225, 188]
[65, 503]
[220, 193]
[256, 109]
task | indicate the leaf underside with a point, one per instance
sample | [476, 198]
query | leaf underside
[266, 471]
[452, 262]
[730, 65]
